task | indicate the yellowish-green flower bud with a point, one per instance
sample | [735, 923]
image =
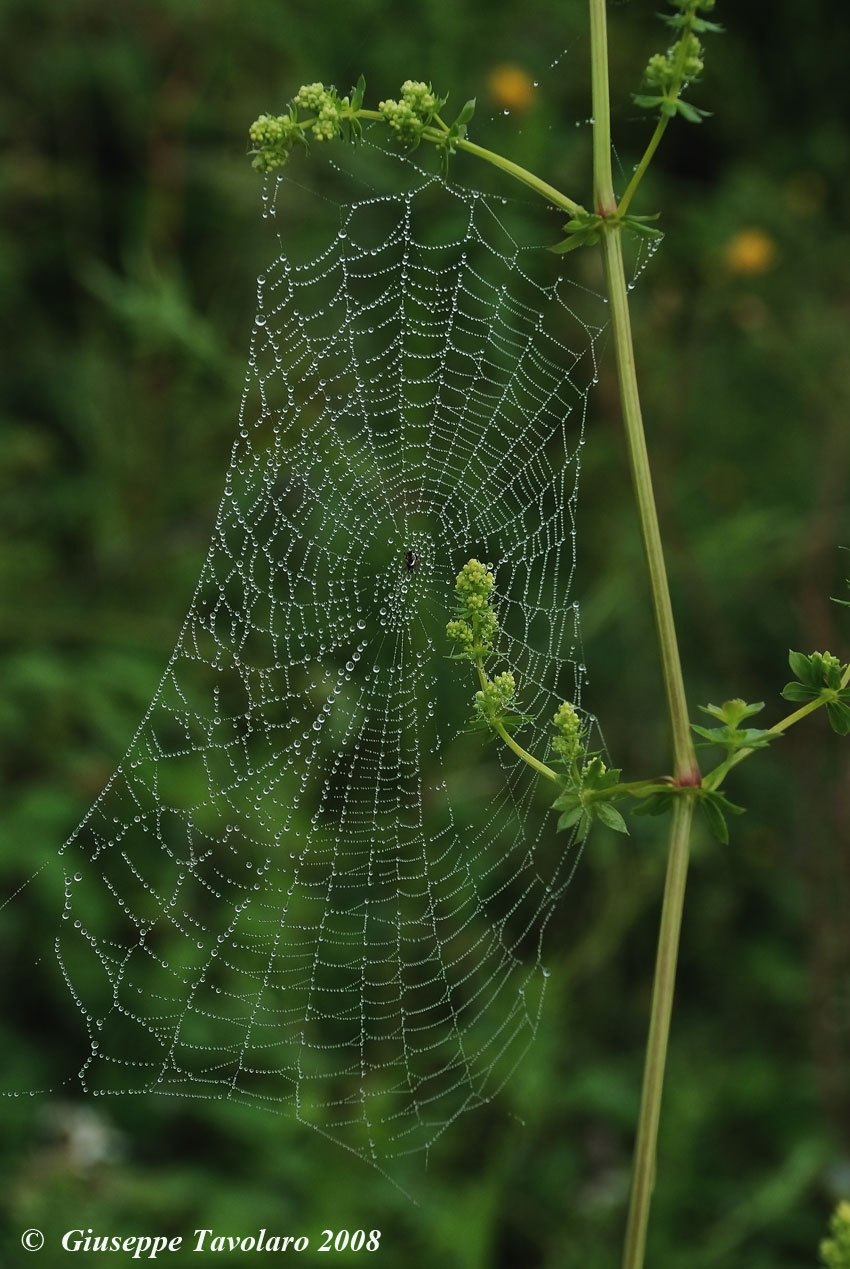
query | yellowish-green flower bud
[835, 1251]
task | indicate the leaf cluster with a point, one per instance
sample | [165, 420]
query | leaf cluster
[586, 228]
[731, 736]
[455, 132]
[820, 676]
[715, 807]
[583, 799]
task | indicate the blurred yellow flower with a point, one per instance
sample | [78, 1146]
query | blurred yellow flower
[511, 87]
[749, 251]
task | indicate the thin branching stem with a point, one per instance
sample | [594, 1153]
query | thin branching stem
[500, 730]
[519, 173]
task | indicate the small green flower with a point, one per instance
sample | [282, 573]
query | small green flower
[475, 625]
[328, 108]
[409, 116]
[460, 632]
[475, 579]
[567, 742]
[679, 65]
[493, 698]
[835, 1251]
[273, 138]
[420, 97]
[668, 73]
[403, 120]
[311, 96]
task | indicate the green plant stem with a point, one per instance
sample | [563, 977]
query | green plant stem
[685, 765]
[539, 767]
[637, 176]
[547, 191]
[643, 1176]
[686, 770]
[716, 777]
[672, 95]
[634, 789]
[501, 730]
[605, 203]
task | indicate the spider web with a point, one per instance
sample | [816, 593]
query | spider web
[307, 887]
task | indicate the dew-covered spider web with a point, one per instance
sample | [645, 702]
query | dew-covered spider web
[308, 887]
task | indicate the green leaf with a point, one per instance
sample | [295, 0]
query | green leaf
[466, 114]
[655, 804]
[714, 735]
[569, 818]
[716, 807]
[640, 99]
[755, 737]
[723, 801]
[733, 738]
[358, 92]
[794, 691]
[733, 712]
[803, 669]
[839, 717]
[513, 722]
[698, 25]
[608, 814]
[642, 231]
[597, 776]
[587, 239]
[693, 114]
[718, 827]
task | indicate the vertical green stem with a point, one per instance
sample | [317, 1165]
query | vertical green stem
[685, 766]
[643, 1173]
[605, 203]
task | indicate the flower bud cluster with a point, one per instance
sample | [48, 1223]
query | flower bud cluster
[830, 666]
[273, 138]
[679, 65]
[568, 733]
[476, 624]
[495, 696]
[835, 1251]
[413, 112]
[327, 106]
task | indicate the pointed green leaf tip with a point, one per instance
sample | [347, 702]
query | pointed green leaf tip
[838, 713]
[466, 113]
[716, 807]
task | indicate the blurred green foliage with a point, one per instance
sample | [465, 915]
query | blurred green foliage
[129, 246]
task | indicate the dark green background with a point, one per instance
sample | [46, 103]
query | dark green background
[129, 248]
